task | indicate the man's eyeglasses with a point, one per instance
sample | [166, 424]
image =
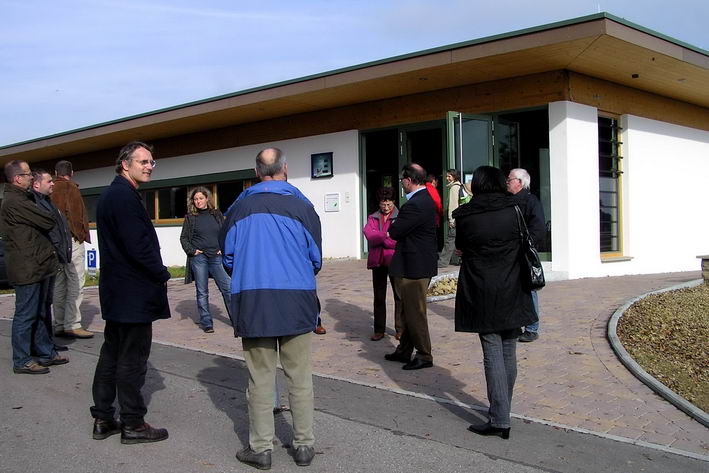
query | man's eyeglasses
[513, 179]
[24, 174]
[145, 162]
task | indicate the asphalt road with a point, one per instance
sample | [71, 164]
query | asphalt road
[45, 426]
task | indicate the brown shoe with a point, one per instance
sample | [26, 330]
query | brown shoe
[320, 330]
[142, 434]
[376, 337]
[78, 333]
[32, 367]
[398, 335]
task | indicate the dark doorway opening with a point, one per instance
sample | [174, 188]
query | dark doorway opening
[381, 153]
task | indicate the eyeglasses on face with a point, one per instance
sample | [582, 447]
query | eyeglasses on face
[513, 179]
[145, 162]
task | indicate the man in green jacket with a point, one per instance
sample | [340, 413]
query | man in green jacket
[31, 261]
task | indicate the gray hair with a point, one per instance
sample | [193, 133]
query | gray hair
[523, 176]
[267, 167]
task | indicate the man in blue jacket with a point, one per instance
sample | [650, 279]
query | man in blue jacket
[133, 294]
[272, 245]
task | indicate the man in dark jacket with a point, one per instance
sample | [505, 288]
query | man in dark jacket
[133, 294]
[59, 235]
[271, 243]
[518, 184]
[31, 262]
[412, 266]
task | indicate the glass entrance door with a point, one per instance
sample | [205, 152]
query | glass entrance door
[470, 143]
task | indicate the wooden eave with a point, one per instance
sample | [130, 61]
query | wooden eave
[599, 46]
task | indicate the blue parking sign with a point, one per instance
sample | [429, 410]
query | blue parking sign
[91, 261]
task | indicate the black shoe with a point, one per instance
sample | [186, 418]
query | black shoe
[528, 336]
[487, 429]
[417, 364]
[60, 348]
[396, 356]
[208, 329]
[142, 434]
[262, 460]
[56, 360]
[105, 428]
[304, 455]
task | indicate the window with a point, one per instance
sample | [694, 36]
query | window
[609, 175]
[166, 201]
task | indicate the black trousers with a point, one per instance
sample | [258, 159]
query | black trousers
[379, 287]
[121, 370]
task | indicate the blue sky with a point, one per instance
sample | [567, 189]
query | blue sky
[72, 63]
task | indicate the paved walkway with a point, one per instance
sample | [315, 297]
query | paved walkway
[570, 376]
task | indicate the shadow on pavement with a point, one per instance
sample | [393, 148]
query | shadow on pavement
[356, 323]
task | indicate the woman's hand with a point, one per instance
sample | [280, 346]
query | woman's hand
[198, 252]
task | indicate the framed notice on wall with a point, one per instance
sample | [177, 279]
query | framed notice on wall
[321, 165]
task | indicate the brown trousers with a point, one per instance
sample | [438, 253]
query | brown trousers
[414, 320]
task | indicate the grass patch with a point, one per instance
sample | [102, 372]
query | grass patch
[668, 335]
[175, 272]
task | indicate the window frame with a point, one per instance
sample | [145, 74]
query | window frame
[617, 157]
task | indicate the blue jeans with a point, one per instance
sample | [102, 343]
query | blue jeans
[535, 326]
[30, 306]
[500, 362]
[202, 267]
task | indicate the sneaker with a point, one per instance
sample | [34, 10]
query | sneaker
[77, 333]
[208, 330]
[528, 336]
[32, 367]
[57, 360]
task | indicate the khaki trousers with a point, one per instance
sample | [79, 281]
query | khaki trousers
[261, 356]
[67, 290]
[413, 318]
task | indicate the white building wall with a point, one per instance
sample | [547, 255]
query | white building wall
[664, 197]
[664, 223]
[573, 156]
[340, 230]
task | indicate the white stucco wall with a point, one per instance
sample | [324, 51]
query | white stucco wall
[340, 230]
[664, 221]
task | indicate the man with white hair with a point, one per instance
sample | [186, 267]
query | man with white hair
[518, 182]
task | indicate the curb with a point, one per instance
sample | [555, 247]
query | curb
[625, 358]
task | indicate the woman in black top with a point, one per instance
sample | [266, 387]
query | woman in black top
[491, 299]
[200, 240]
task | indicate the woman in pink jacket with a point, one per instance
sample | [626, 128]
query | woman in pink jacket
[381, 250]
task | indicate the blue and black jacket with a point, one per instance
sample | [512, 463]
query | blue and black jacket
[272, 244]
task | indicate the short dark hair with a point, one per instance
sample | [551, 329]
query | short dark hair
[431, 177]
[13, 168]
[126, 153]
[37, 174]
[63, 168]
[487, 180]
[385, 193]
[272, 169]
[415, 173]
[454, 174]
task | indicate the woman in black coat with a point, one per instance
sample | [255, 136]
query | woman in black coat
[491, 300]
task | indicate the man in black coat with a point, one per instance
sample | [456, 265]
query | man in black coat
[412, 266]
[518, 184]
[59, 235]
[133, 294]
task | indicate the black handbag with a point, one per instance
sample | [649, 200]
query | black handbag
[532, 271]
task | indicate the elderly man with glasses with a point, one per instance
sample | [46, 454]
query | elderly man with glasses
[518, 182]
